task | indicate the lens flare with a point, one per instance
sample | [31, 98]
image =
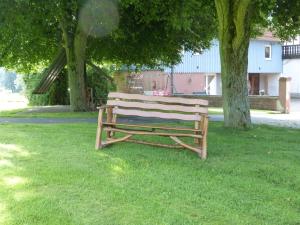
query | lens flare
[99, 18]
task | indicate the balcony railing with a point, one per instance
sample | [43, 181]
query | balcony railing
[291, 52]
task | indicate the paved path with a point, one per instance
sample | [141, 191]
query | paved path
[291, 120]
[277, 119]
[281, 120]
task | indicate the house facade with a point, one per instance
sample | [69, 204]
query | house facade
[200, 73]
[291, 64]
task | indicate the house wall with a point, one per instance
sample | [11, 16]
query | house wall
[291, 68]
[273, 84]
[257, 61]
[218, 84]
[256, 102]
[269, 83]
[154, 80]
[263, 84]
[212, 79]
[209, 60]
[189, 83]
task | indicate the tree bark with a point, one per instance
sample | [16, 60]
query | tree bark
[75, 46]
[234, 17]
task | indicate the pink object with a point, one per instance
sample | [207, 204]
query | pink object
[161, 93]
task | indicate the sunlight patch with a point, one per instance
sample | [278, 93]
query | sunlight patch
[8, 147]
[10, 150]
[118, 169]
[14, 181]
[5, 163]
[20, 196]
[99, 18]
[3, 214]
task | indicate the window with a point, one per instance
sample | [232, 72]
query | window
[268, 52]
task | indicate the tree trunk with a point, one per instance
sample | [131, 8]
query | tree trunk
[234, 87]
[75, 46]
[234, 36]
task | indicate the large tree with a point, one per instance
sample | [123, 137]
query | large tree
[238, 21]
[125, 31]
[142, 32]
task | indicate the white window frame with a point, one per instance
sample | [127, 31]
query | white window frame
[270, 47]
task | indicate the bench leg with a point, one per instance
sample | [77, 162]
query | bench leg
[114, 120]
[99, 130]
[109, 119]
[203, 142]
[203, 147]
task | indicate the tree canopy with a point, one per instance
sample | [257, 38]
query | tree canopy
[142, 32]
[129, 32]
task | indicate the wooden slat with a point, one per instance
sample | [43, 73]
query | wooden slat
[185, 145]
[157, 114]
[109, 117]
[99, 130]
[151, 133]
[153, 127]
[153, 144]
[156, 106]
[115, 140]
[184, 101]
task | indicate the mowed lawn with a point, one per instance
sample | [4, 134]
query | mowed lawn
[51, 174]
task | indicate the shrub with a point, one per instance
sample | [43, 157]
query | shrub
[57, 94]
[101, 83]
[97, 78]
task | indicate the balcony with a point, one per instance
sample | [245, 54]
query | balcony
[291, 52]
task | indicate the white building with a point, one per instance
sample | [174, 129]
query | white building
[291, 64]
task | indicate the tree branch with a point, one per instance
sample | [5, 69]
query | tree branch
[241, 22]
[98, 69]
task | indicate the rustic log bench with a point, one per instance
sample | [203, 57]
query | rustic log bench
[186, 109]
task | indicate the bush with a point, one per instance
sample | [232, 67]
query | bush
[97, 78]
[57, 94]
[99, 81]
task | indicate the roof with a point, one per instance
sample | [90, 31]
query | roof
[268, 36]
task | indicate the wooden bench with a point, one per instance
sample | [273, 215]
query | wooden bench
[186, 109]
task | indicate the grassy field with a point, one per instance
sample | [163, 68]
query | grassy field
[25, 113]
[51, 174]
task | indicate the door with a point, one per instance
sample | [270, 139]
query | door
[254, 84]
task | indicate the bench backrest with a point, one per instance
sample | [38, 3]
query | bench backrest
[158, 106]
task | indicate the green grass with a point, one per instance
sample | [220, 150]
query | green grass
[51, 174]
[22, 113]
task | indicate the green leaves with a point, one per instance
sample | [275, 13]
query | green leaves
[286, 18]
[134, 32]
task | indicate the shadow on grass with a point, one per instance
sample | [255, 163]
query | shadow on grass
[53, 175]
